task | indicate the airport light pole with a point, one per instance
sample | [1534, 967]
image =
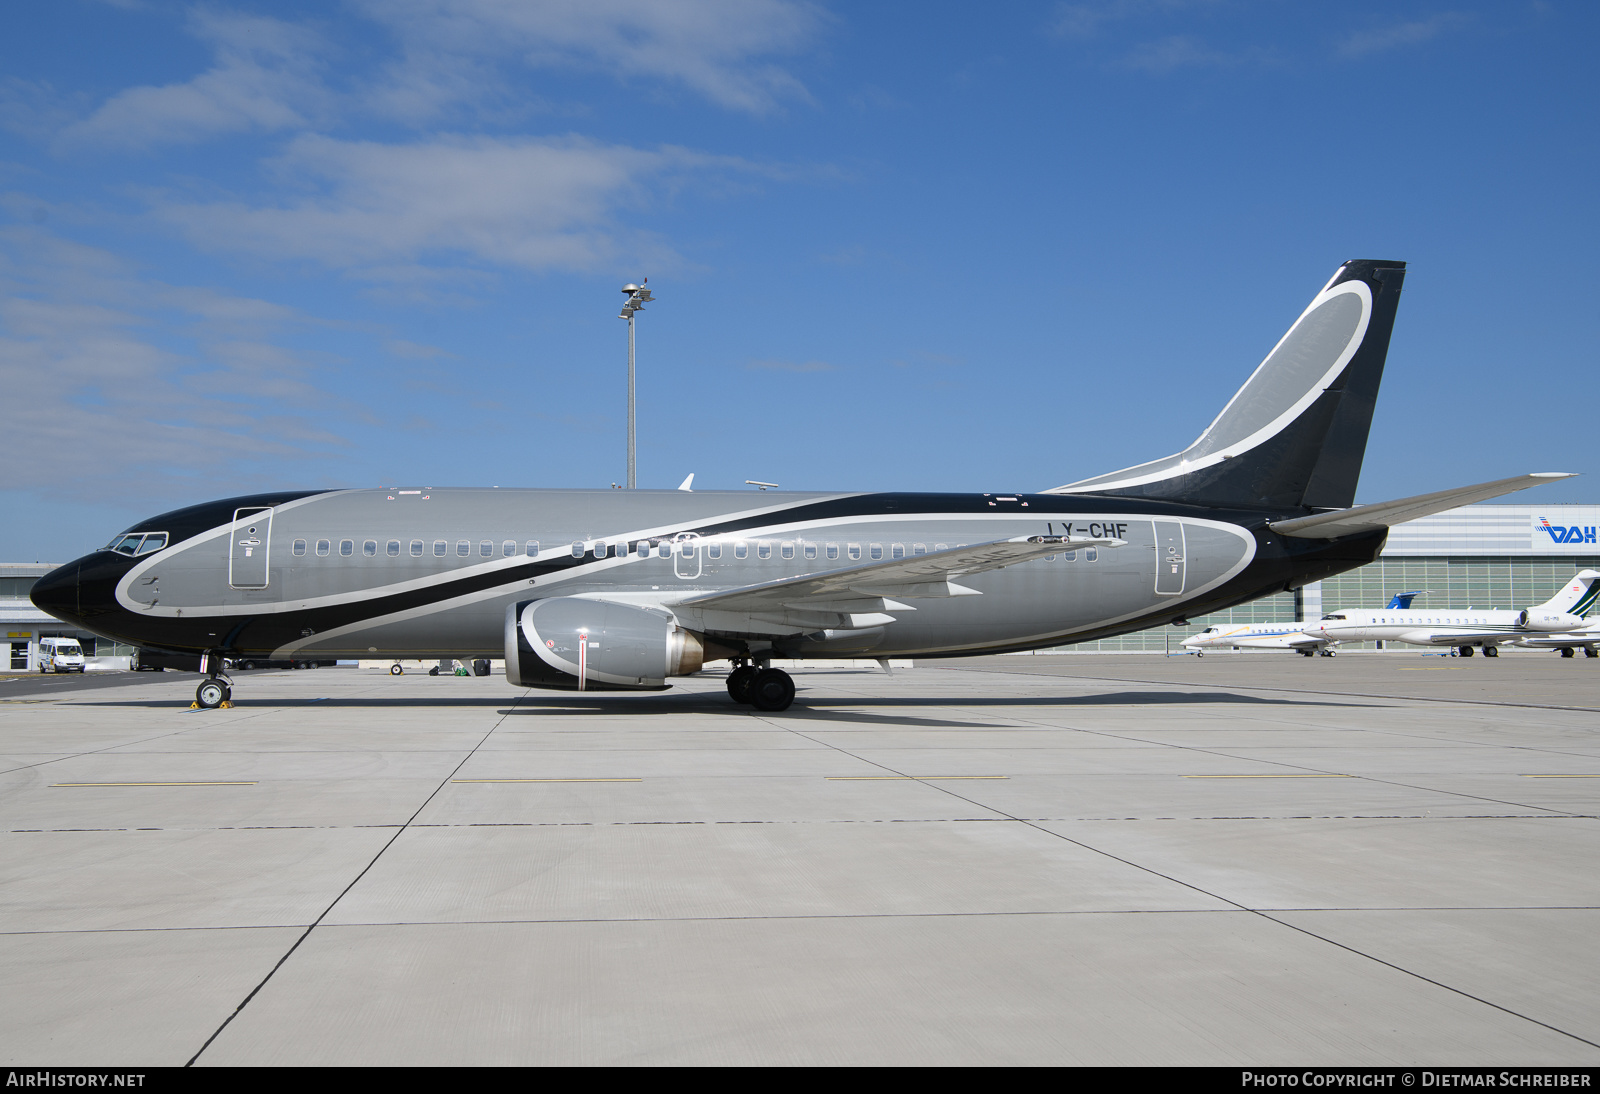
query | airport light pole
[638, 296]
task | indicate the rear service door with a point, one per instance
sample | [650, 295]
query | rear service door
[1170, 567]
[247, 557]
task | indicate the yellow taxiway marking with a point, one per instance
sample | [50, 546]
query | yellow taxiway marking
[905, 778]
[547, 780]
[1294, 776]
[152, 784]
[1434, 668]
[1579, 776]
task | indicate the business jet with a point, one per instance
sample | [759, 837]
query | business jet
[1272, 636]
[1465, 630]
[621, 590]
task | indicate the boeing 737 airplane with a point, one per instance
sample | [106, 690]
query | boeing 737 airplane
[1465, 629]
[620, 590]
[1272, 636]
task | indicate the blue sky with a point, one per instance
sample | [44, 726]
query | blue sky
[895, 246]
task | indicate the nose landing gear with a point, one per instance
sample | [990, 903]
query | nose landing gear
[215, 690]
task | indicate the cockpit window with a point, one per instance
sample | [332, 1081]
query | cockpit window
[138, 543]
[1335, 615]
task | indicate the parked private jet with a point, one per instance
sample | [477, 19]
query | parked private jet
[1465, 629]
[1586, 639]
[1272, 636]
[621, 590]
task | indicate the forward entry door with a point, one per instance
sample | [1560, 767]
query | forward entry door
[686, 560]
[248, 546]
[1170, 567]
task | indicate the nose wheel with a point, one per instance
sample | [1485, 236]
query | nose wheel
[212, 694]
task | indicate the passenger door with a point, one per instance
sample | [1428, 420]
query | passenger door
[248, 548]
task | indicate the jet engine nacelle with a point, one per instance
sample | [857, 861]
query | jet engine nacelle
[1539, 619]
[570, 642]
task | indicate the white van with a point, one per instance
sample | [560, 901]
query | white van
[60, 655]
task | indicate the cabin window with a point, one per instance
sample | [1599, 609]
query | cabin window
[1091, 554]
[440, 547]
[664, 549]
[370, 548]
[713, 550]
[787, 550]
[416, 548]
[533, 548]
[392, 548]
[347, 547]
[763, 548]
[577, 549]
[686, 548]
[919, 549]
[600, 550]
[299, 547]
[741, 550]
[877, 551]
[897, 551]
[853, 550]
[508, 548]
[1070, 556]
[833, 550]
[486, 548]
[940, 547]
[811, 550]
[463, 547]
[324, 546]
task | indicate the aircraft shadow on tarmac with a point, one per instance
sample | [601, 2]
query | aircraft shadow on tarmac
[832, 709]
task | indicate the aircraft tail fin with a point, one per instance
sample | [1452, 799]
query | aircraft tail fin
[1295, 434]
[1402, 601]
[1577, 596]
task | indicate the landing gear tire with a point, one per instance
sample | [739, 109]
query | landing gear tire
[1327, 653]
[1590, 651]
[1566, 651]
[739, 681]
[1465, 651]
[1491, 651]
[1306, 653]
[772, 690]
[247, 664]
[395, 670]
[212, 694]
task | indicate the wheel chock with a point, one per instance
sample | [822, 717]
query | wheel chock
[194, 706]
[227, 704]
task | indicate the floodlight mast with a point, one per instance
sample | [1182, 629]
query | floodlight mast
[637, 296]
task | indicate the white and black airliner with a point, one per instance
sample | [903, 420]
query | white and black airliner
[620, 590]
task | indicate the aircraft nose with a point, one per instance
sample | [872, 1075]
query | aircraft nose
[57, 592]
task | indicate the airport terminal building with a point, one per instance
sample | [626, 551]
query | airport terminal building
[1478, 556]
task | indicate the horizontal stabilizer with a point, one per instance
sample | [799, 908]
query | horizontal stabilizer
[1386, 514]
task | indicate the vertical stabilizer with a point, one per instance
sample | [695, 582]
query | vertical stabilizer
[1296, 433]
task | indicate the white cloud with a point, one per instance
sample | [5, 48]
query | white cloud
[520, 202]
[120, 386]
[717, 48]
[265, 78]
[1397, 35]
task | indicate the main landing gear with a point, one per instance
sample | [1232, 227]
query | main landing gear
[1463, 651]
[215, 690]
[765, 688]
[1491, 651]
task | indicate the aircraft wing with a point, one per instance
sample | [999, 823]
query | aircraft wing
[874, 587]
[1306, 642]
[1385, 514]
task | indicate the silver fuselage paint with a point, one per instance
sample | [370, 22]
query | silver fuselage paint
[405, 605]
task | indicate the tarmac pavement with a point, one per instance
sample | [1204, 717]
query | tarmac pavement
[1250, 859]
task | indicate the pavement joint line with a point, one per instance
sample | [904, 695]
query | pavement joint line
[157, 784]
[353, 882]
[1296, 775]
[1584, 776]
[907, 778]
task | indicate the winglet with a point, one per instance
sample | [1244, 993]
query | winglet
[684, 485]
